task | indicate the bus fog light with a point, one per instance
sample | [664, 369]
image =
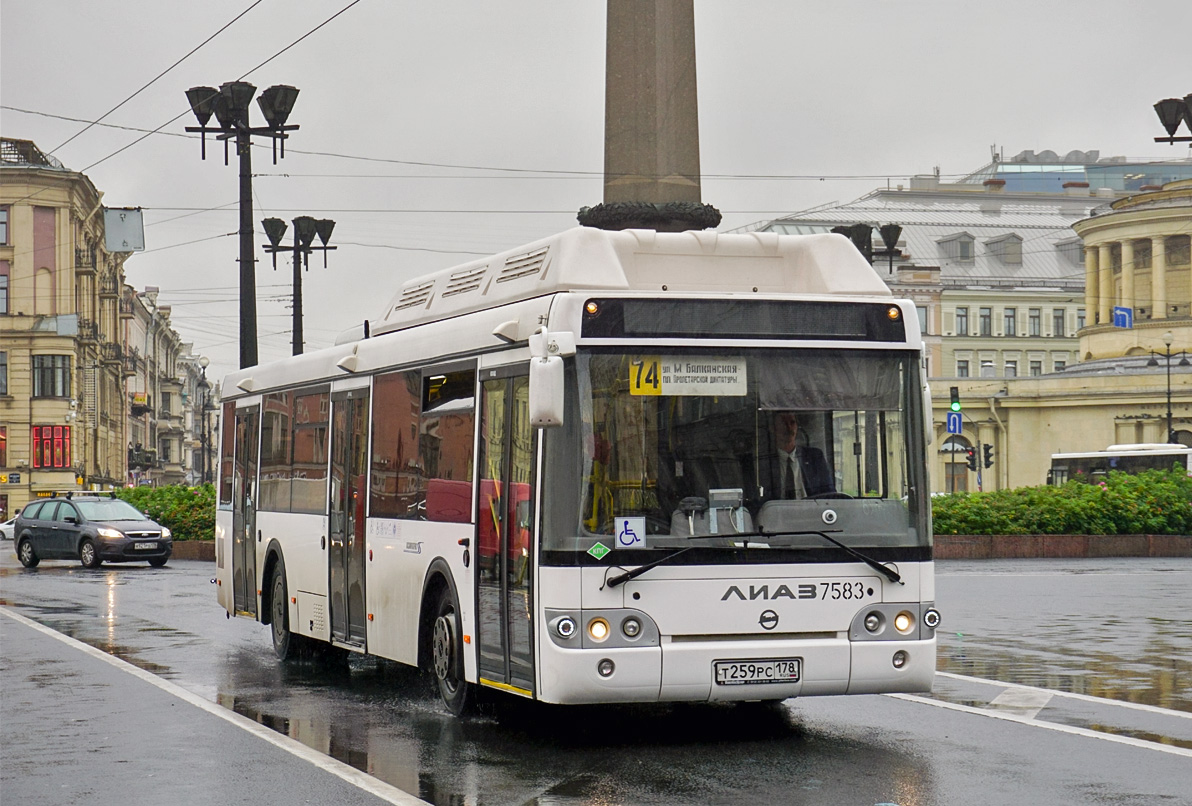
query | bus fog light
[605, 668]
[565, 627]
[903, 622]
[598, 630]
[873, 622]
[932, 618]
[631, 627]
[900, 659]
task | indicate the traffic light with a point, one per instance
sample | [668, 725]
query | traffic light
[971, 457]
[955, 398]
[989, 456]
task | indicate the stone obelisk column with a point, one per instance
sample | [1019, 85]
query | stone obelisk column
[651, 122]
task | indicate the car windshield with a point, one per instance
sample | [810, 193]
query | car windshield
[700, 443]
[109, 510]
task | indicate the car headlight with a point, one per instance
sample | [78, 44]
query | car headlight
[165, 533]
[104, 531]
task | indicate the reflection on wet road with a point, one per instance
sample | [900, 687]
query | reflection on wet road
[1108, 629]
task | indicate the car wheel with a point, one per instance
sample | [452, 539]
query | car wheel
[26, 555]
[158, 562]
[285, 643]
[447, 657]
[88, 555]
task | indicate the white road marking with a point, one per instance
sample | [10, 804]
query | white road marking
[1036, 723]
[1137, 706]
[361, 780]
[1021, 700]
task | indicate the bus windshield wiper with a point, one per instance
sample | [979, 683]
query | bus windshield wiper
[887, 572]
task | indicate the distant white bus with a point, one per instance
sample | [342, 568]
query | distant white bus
[1093, 466]
[555, 473]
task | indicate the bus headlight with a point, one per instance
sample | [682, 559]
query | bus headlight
[598, 630]
[565, 627]
[932, 618]
[904, 622]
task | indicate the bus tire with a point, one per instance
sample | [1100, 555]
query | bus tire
[447, 656]
[286, 645]
[26, 554]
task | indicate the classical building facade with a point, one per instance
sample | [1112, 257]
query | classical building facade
[997, 268]
[77, 346]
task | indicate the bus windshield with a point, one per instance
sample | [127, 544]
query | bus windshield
[699, 443]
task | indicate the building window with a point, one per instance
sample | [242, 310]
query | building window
[962, 322]
[165, 450]
[1057, 322]
[1059, 365]
[962, 369]
[1011, 321]
[166, 404]
[922, 311]
[986, 321]
[1036, 368]
[1079, 318]
[3, 374]
[1034, 318]
[1011, 369]
[51, 376]
[3, 446]
[3, 286]
[3, 226]
[51, 446]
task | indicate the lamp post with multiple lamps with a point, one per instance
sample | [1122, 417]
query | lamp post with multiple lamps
[1168, 338]
[230, 105]
[1171, 112]
[204, 407]
[305, 229]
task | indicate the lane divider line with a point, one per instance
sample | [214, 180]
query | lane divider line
[1021, 700]
[1036, 723]
[353, 776]
[1137, 706]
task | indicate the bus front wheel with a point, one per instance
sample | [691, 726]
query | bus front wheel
[447, 649]
[285, 643]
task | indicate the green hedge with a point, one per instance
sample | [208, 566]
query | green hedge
[1155, 502]
[189, 512]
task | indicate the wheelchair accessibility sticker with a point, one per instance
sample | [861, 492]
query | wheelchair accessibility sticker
[631, 533]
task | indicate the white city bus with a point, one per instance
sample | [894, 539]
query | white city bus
[554, 473]
[1094, 466]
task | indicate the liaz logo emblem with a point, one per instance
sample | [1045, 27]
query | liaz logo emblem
[765, 593]
[768, 620]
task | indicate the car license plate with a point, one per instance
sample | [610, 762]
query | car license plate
[139, 546]
[762, 670]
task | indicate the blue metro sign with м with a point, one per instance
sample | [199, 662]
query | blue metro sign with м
[1123, 317]
[955, 424]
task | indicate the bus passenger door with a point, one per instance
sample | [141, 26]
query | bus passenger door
[504, 531]
[349, 446]
[244, 512]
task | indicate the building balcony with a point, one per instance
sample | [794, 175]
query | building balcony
[126, 311]
[140, 404]
[142, 459]
[109, 286]
[88, 330]
[84, 261]
[130, 365]
[112, 353]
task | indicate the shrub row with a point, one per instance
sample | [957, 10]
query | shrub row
[1156, 502]
[189, 512]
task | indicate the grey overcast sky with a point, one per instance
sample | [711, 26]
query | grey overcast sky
[435, 132]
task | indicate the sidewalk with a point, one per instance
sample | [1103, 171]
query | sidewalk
[80, 726]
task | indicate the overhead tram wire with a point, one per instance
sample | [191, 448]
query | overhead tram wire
[155, 78]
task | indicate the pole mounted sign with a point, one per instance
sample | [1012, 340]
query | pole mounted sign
[955, 424]
[1123, 317]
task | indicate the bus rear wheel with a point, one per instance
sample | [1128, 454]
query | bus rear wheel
[286, 645]
[447, 661]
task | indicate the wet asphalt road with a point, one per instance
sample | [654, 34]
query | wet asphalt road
[1097, 655]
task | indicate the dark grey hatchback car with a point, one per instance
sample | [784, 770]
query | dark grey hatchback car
[89, 528]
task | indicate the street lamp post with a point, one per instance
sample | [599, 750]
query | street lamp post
[1168, 338]
[305, 229]
[203, 436]
[1171, 112]
[230, 105]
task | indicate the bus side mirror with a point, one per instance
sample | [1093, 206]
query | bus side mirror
[546, 391]
[546, 376]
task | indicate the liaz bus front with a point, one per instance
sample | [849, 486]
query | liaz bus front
[735, 506]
